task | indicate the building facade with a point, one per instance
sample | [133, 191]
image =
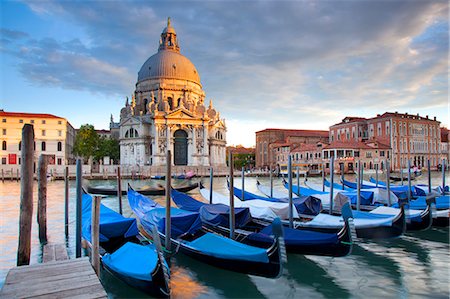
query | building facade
[409, 137]
[54, 136]
[168, 112]
[270, 141]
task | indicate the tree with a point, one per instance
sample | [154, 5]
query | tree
[108, 147]
[86, 142]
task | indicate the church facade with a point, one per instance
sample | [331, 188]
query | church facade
[168, 112]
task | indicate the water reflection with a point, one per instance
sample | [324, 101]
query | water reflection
[415, 265]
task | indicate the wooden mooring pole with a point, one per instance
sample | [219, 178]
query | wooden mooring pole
[42, 199]
[332, 184]
[66, 201]
[291, 213]
[119, 189]
[78, 210]
[95, 231]
[168, 203]
[211, 178]
[26, 196]
[232, 219]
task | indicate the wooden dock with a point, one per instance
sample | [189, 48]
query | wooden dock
[57, 279]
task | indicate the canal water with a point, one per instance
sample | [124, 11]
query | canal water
[415, 265]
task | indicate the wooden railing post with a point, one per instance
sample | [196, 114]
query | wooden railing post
[42, 199]
[26, 196]
[95, 230]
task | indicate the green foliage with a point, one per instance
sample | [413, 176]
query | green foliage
[86, 142]
[108, 147]
[89, 144]
[243, 160]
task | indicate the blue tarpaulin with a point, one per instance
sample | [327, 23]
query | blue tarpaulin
[219, 215]
[225, 248]
[112, 224]
[185, 202]
[151, 213]
[133, 260]
[295, 237]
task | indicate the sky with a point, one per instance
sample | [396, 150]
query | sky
[265, 64]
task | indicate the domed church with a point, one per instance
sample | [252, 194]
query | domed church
[167, 111]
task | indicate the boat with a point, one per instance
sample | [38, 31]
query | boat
[257, 233]
[399, 191]
[160, 190]
[419, 189]
[122, 254]
[189, 237]
[416, 219]
[186, 176]
[375, 228]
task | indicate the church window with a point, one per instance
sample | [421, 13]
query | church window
[43, 132]
[43, 121]
[43, 146]
[4, 145]
[170, 101]
[4, 131]
[4, 120]
[20, 145]
[59, 146]
[21, 121]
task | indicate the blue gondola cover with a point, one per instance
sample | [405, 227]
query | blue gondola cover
[219, 215]
[125, 261]
[112, 224]
[151, 213]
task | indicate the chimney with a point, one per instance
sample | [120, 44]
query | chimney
[435, 118]
[427, 116]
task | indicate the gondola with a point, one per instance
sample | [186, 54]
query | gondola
[160, 190]
[257, 233]
[416, 219]
[122, 254]
[371, 227]
[188, 236]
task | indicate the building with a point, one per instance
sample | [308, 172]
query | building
[445, 145]
[409, 137]
[168, 112]
[242, 156]
[54, 136]
[346, 154]
[270, 142]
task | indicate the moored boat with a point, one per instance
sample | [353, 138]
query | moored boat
[188, 236]
[140, 266]
[257, 233]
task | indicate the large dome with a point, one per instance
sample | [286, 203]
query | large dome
[168, 64]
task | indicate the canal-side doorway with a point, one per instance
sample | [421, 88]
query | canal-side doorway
[180, 156]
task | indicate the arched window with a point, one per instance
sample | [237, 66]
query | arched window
[43, 146]
[132, 133]
[4, 145]
[20, 145]
[59, 146]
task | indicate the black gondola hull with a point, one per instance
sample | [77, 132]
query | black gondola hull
[271, 269]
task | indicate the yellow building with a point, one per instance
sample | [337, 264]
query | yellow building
[53, 135]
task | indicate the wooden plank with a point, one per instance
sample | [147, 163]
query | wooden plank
[56, 264]
[59, 279]
[54, 252]
[90, 292]
[49, 288]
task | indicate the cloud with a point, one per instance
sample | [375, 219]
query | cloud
[295, 61]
